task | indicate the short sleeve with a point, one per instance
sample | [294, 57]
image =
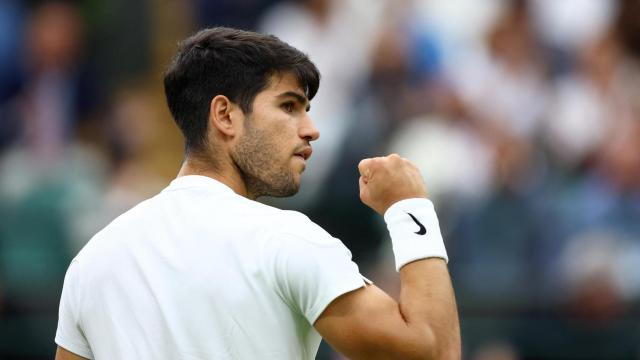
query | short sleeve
[69, 334]
[309, 272]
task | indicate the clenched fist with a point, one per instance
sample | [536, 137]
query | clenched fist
[387, 180]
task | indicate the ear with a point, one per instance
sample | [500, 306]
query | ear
[223, 115]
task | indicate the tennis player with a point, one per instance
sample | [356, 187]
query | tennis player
[203, 271]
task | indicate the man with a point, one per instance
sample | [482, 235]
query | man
[202, 271]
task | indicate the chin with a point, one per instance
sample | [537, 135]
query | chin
[286, 190]
[285, 193]
[293, 188]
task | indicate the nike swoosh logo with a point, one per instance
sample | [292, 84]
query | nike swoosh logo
[422, 230]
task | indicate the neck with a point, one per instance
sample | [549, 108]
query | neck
[226, 174]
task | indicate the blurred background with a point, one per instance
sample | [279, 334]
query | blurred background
[524, 117]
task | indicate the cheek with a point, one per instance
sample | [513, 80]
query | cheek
[272, 146]
[283, 133]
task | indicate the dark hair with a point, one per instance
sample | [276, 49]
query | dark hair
[230, 62]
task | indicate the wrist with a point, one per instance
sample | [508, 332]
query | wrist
[415, 231]
[391, 203]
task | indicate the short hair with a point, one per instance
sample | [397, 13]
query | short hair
[230, 62]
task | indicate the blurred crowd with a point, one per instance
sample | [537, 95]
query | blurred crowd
[524, 117]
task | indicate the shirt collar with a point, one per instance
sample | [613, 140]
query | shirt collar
[198, 181]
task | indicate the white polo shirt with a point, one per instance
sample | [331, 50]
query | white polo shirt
[199, 272]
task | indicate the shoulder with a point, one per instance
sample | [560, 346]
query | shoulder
[299, 242]
[298, 226]
[139, 217]
[284, 224]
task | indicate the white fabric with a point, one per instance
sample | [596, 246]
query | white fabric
[199, 272]
[415, 232]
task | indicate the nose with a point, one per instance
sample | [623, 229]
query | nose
[308, 130]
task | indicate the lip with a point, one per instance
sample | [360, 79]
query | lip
[305, 153]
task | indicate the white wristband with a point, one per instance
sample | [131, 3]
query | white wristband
[415, 232]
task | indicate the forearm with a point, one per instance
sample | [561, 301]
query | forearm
[425, 323]
[428, 306]
[427, 302]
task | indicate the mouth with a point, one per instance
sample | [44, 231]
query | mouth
[304, 153]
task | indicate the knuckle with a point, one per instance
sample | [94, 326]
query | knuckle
[394, 158]
[363, 164]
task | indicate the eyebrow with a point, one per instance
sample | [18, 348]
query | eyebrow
[299, 98]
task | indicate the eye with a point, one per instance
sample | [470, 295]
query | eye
[289, 106]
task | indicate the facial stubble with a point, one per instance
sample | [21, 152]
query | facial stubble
[263, 173]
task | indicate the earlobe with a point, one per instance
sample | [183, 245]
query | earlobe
[220, 118]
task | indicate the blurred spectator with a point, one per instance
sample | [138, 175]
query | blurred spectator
[507, 238]
[119, 41]
[569, 25]
[38, 208]
[461, 23]
[507, 87]
[564, 29]
[11, 22]
[11, 25]
[45, 178]
[592, 102]
[627, 26]
[607, 201]
[131, 134]
[55, 93]
[499, 93]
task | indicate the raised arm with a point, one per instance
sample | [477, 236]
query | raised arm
[64, 354]
[367, 323]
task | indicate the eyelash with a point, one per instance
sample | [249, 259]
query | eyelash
[288, 107]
